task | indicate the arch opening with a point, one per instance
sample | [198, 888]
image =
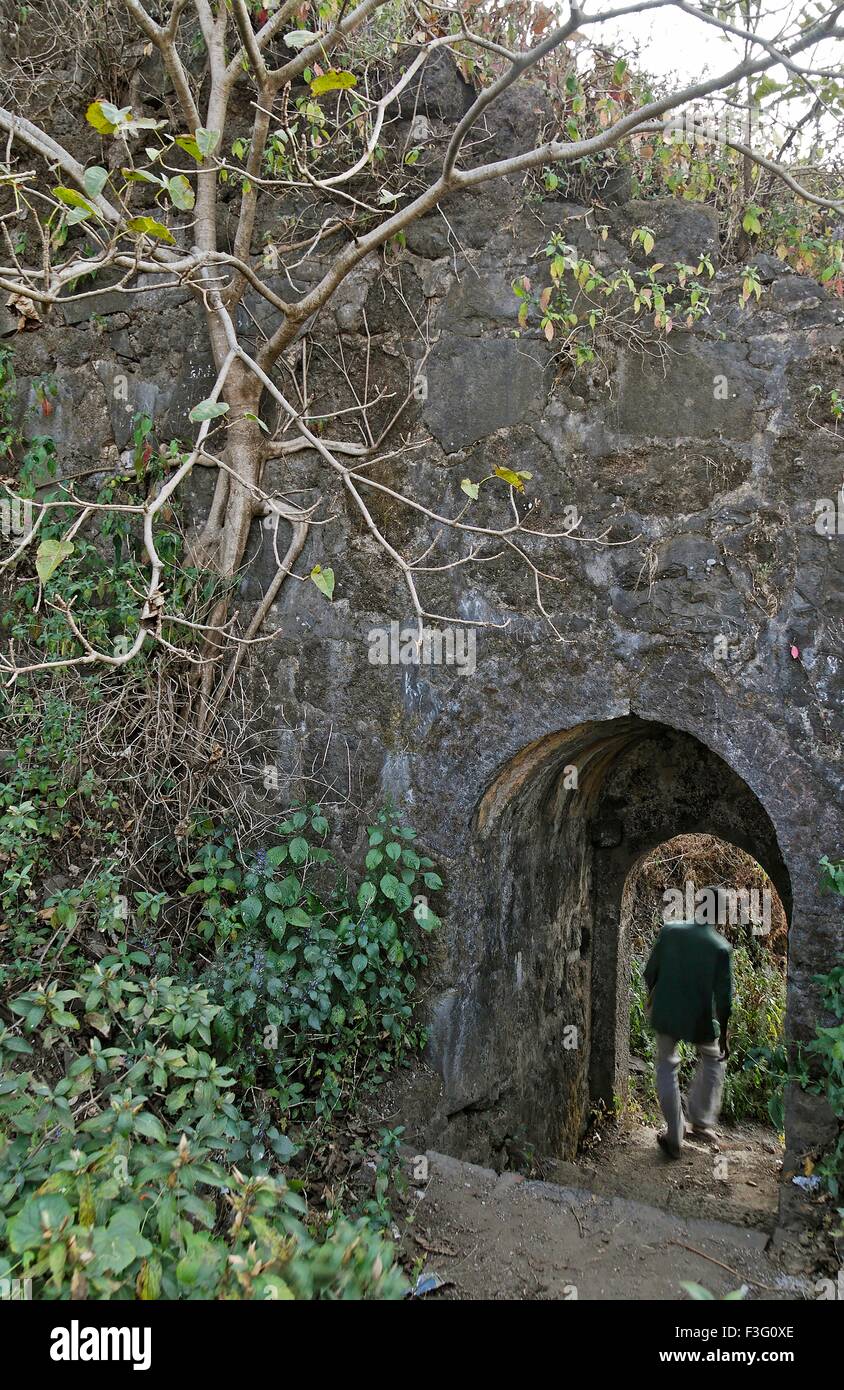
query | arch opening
[542, 1034]
[738, 1178]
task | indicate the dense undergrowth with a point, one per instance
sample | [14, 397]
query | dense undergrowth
[172, 1060]
[195, 1001]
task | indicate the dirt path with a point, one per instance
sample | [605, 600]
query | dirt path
[735, 1180]
[501, 1236]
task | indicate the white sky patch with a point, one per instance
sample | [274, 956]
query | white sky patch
[675, 45]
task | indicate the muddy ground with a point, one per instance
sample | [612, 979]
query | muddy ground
[735, 1179]
[504, 1236]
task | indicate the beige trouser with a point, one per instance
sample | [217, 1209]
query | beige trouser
[704, 1098]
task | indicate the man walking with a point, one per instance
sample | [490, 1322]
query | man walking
[689, 980]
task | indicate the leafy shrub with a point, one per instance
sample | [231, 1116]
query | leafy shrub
[146, 1099]
[314, 980]
[824, 1054]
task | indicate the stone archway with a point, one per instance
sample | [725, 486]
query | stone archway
[543, 1031]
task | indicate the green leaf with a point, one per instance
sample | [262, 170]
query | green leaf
[333, 81]
[181, 193]
[366, 894]
[207, 140]
[324, 580]
[390, 886]
[104, 117]
[49, 556]
[298, 918]
[250, 415]
[150, 1126]
[189, 145]
[39, 1219]
[141, 176]
[120, 1243]
[94, 180]
[250, 910]
[298, 850]
[471, 489]
[208, 410]
[72, 199]
[276, 922]
[147, 226]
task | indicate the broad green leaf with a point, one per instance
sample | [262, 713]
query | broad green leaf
[207, 410]
[366, 894]
[207, 140]
[250, 910]
[333, 81]
[119, 1244]
[189, 145]
[72, 199]
[49, 556]
[40, 1218]
[276, 921]
[150, 1126]
[104, 117]
[147, 226]
[324, 580]
[94, 180]
[299, 918]
[471, 489]
[389, 886]
[298, 850]
[141, 176]
[181, 192]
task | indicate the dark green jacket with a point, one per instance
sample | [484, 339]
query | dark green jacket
[689, 975]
